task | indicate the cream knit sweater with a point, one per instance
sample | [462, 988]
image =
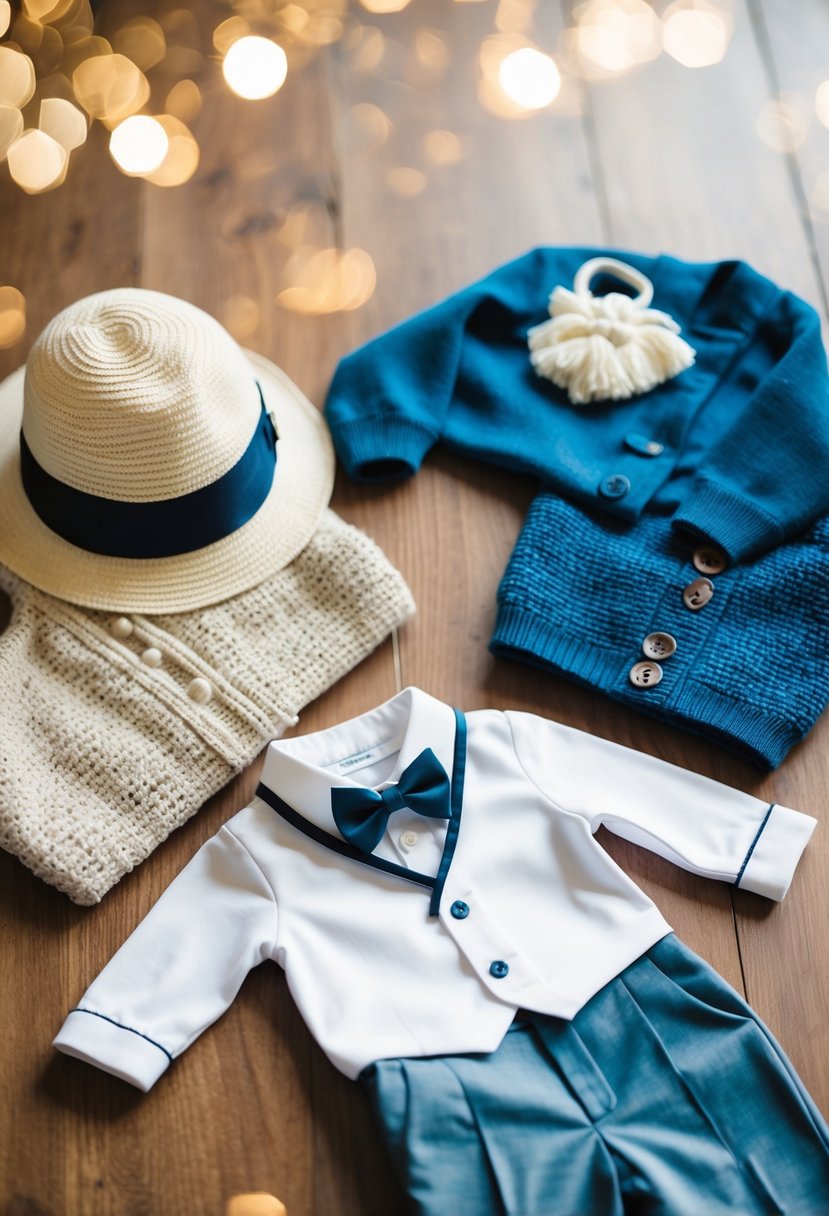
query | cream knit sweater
[114, 730]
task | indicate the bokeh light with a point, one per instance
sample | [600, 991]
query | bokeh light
[38, 9]
[370, 123]
[241, 317]
[326, 280]
[17, 78]
[694, 33]
[255, 67]
[366, 47]
[11, 128]
[63, 121]
[80, 46]
[782, 124]
[822, 102]
[616, 35]
[228, 32]
[12, 316]
[443, 147]
[182, 157]
[818, 194]
[37, 162]
[5, 16]
[529, 78]
[110, 87]
[515, 16]
[184, 100]
[384, 6]
[139, 145]
[406, 182]
[142, 40]
[431, 50]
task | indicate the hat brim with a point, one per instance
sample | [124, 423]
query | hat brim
[279, 530]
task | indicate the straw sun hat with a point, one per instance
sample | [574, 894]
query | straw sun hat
[148, 464]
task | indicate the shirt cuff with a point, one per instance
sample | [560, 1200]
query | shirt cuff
[724, 518]
[773, 858]
[116, 1049]
[382, 448]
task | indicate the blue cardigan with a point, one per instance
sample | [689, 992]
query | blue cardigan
[734, 450]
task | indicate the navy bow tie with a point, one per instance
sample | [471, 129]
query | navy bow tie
[362, 814]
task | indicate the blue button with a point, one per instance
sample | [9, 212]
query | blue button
[642, 446]
[615, 486]
[499, 969]
[459, 910]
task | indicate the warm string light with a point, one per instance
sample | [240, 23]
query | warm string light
[255, 67]
[327, 280]
[12, 316]
[696, 33]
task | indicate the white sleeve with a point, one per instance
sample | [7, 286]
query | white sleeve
[180, 969]
[699, 824]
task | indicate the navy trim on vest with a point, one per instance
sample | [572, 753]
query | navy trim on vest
[753, 845]
[162, 528]
[452, 831]
[335, 842]
[338, 845]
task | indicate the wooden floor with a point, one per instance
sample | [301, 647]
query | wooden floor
[660, 159]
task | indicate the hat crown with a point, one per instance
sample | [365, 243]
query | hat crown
[137, 396]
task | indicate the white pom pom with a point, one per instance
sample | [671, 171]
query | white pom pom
[609, 347]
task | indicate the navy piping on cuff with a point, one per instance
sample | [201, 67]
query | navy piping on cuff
[333, 842]
[753, 845]
[93, 1013]
[458, 770]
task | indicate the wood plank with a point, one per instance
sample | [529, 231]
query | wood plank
[797, 64]
[697, 181]
[473, 514]
[787, 968]
[254, 1105]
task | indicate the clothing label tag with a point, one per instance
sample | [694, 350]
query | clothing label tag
[371, 755]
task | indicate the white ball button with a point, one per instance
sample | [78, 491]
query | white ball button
[121, 627]
[152, 656]
[409, 839]
[200, 690]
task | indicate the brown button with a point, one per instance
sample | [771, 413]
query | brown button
[645, 675]
[697, 594]
[708, 559]
[659, 646]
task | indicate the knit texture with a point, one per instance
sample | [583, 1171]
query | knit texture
[751, 669]
[743, 435]
[732, 451]
[104, 752]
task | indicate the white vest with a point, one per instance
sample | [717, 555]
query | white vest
[431, 943]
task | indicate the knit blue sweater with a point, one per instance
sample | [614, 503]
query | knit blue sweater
[734, 450]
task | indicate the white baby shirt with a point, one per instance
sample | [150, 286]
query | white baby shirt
[429, 944]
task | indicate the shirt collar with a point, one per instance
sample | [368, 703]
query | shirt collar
[296, 769]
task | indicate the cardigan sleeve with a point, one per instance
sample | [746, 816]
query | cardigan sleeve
[699, 824]
[766, 480]
[388, 402]
[180, 969]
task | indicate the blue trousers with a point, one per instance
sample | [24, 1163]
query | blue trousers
[665, 1096]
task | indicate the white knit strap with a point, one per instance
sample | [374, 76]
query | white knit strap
[620, 270]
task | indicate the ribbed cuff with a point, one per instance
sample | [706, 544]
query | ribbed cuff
[726, 519]
[773, 859]
[383, 447]
[763, 737]
[101, 1041]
